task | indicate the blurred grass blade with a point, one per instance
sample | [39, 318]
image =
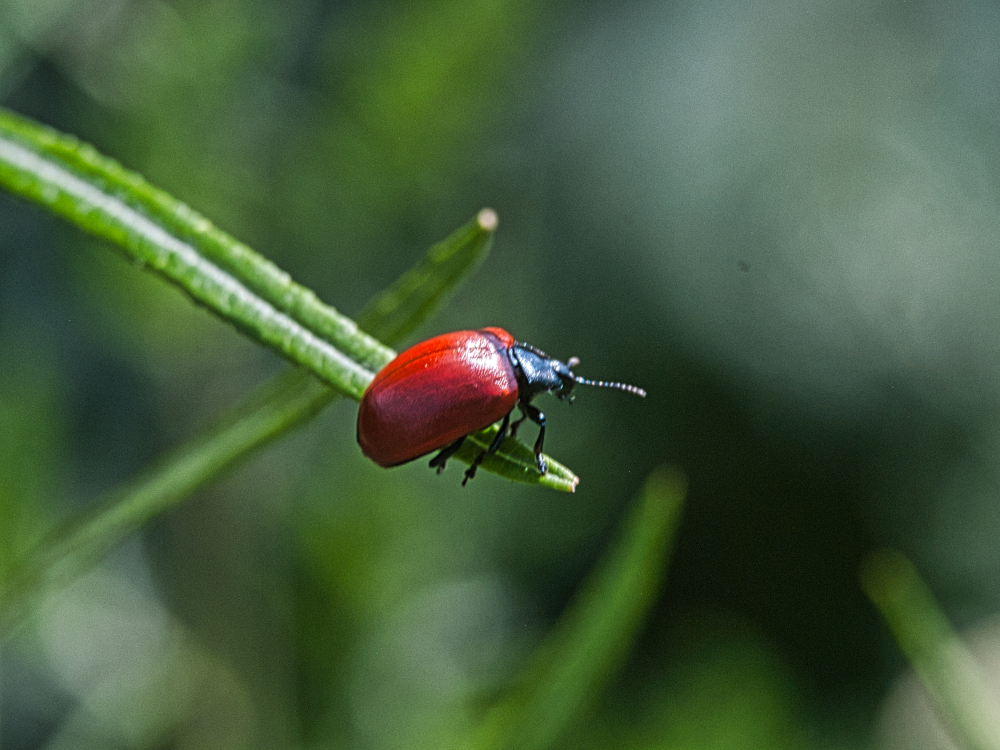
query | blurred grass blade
[76, 544]
[405, 305]
[948, 671]
[269, 413]
[169, 239]
[594, 636]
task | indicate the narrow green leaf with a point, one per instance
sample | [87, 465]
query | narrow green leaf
[402, 307]
[942, 662]
[77, 544]
[595, 635]
[516, 461]
[168, 238]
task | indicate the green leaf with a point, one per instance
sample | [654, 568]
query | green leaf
[404, 306]
[594, 636]
[516, 461]
[942, 662]
[169, 239]
[75, 545]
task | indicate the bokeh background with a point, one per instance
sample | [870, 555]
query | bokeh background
[780, 218]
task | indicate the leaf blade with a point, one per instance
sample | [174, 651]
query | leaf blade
[593, 636]
[966, 702]
[408, 302]
[170, 239]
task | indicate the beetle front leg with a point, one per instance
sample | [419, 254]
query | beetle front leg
[538, 418]
[494, 447]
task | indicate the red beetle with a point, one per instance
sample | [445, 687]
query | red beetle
[437, 392]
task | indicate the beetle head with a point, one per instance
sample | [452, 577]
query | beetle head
[537, 372]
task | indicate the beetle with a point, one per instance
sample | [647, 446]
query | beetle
[436, 393]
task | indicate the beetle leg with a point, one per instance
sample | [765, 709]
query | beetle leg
[494, 447]
[538, 418]
[447, 452]
[517, 423]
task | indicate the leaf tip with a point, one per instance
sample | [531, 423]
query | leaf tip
[562, 479]
[488, 220]
[667, 483]
[884, 573]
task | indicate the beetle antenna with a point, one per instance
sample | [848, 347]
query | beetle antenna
[617, 386]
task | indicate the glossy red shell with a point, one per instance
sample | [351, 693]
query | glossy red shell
[436, 392]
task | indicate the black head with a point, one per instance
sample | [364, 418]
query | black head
[537, 372]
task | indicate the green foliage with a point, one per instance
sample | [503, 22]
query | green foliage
[947, 669]
[596, 633]
[29, 446]
[75, 182]
[797, 291]
[400, 309]
[169, 239]
[161, 234]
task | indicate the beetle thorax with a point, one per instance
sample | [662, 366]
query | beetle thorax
[537, 373]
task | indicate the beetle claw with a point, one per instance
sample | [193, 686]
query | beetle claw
[469, 473]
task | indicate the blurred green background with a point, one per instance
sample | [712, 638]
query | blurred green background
[780, 218]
